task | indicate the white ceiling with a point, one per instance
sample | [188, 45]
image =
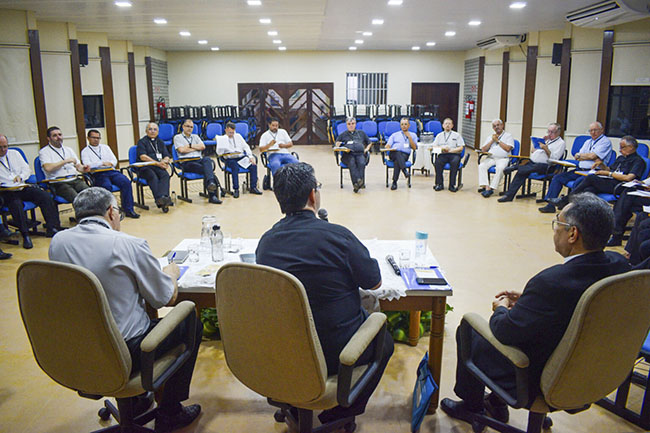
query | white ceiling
[303, 24]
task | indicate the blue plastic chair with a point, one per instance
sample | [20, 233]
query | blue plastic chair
[492, 170]
[370, 128]
[390, 164]
[464, 158]
[343, 166]
[28, 206]
[642, 149]
[166, 133]
[140, 182]
[391, 127]
[241, 128]
[433, 126]
[413, 126]
[341, 128]
[381, 130]
[211, 132]
[612, 157]
[611, 198]
[227, 173]
[184, 176]
[40, 179]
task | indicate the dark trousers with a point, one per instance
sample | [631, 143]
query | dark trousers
[639, 243]
[277, 160]
[596, 185]
[625, 207]
[157, 179]
[453, 159]
[560, 180]
[399, 161]
[14, 201]
[233, 165]
[356, 163]
[69, 190]
[106, 179]
[522, 174]
[177, 387]
[491, 362]
[202, 167]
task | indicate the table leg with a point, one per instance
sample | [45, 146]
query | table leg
[435, 345]
[414, 327]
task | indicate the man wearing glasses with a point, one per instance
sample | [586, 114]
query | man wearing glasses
[331, 263]
[130, 275]
[102, 162]
[535, 320]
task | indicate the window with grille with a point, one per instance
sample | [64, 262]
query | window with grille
[366, 87]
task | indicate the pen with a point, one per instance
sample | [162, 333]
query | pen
[171, 259]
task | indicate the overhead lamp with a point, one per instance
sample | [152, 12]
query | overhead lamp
[185, 33]
[282, 48]
[160, 21]
[254, 2]
[215, 48]
[123, 4]
[395, 2]
[431, 44]
[415, 48]
[265, 20]
[358, 41]
[272, 33]
[450, 33]
[377, 22]
[203, 42]
[277, 41]
[517, 5]
[367, 33]
[474, 23]
[352, 48]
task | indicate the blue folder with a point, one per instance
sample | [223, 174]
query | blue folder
[424, 389]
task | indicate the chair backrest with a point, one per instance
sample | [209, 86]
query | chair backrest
[413, 126]
[642, 149]
[341, 128]
[578, 142]
[241, 128]
[381, 127]
[213, 130]
[392, 126]
[38, 170]
[516, 149]
[166, 131]
[612, 158]
[133, 154]
[433, 126]
[646, 172]
[32, 178]
[259, 355]
[70, 327]
[370, 128]
[197, 128]
[599, 348]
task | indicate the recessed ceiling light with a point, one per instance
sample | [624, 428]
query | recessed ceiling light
[215, 48]
[377, 21]
[160, 21]
[203, 42]
[123, 4]
[272, 33]
[277, 41]
[450, 33]
[265, 20]
[282, 48]
[254, 2]
[358, 41]
[415, 48]
[367, 33]
[474, 23]
[185, 33]
[517, 5]
[395, 2]
[352, 48]
[431, 44]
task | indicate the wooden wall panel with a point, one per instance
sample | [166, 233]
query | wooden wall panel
[479, 102]
[529, 99]
[109, 98]
[563, 93]
[605, 75]
[505, 72]
[37, 85]
[77, 97]
[133, 92]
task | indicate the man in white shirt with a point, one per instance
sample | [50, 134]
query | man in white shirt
[59, 161]
[100, 157]
[552, 148]
[190, 146]
[237, 154]
[130, 275]
[276, 142]
[451, 145]
[14, 170]
[498, 145]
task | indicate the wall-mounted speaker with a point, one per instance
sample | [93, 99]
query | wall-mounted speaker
[557, 54]
[83, 55]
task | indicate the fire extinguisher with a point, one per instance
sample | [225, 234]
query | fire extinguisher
[469, 108]
[160, 108]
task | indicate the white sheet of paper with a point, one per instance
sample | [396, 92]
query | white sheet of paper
[640, 193]
[436, 149]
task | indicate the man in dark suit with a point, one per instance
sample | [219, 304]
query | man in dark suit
[535, 320]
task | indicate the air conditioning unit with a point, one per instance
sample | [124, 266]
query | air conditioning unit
[609, 13]
[500, 41]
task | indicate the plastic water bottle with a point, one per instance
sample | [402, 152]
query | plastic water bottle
[206, 226]
[216, 239]
[421, 239]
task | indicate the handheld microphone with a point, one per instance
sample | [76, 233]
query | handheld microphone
[322, 214]
[391, 261]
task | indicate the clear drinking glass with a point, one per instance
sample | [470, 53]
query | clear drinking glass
[193, 253]
[404, 258]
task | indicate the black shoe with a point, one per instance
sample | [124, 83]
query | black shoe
[165, 208]
[615, 241]
[555, 201]
[505, 198]
[356, 185]
[27, 242]
[406, 173]
[168, 423]
[487, 193]
[5, 256]
[255, 191]
[459, 410]
[562, 202]
[132, 214]
[510, 169]
[453, 188]
[161, 201]
[481, 189]
[4, 232]
[214, 199]
[235, 193]
[393, 186]
[52, 231]
[212, 186]
[549, 208]
[438, 188]
[169, 200]
[496, 408]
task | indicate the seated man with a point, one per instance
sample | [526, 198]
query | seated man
[359, 144]
[498, 145]
[552, 148]
[190, 145]
[595, 150]
[638, 246]
[626, 205]
[4, 233]
[59, 161]
[402, 142]
[14, 169]
[130, 275]
[277, 142]
[451, 145]
[535, 320]
[331, 263]
[152, 149]
[98, 156]
[628, 166]
[237, 154]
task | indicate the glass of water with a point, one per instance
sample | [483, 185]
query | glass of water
[193, 253]
[404, 258]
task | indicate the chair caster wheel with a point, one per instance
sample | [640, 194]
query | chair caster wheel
[477, 427]
[279, 416]
[350, 427]
[548, 423]
[104, 414]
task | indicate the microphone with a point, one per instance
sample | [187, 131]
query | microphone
[391, 261]
[322, 214]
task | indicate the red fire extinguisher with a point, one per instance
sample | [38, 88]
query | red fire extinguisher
[469, 108]
[160, 108]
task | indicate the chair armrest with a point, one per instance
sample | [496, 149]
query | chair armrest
[518, 358]
[467, 155]
[295, 154]
[373, 329]
[184, 311]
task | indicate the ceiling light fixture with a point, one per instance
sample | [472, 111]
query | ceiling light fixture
[265, 20]
[517, 5]
[358, 41]
[395, 2]
[450, 33]
[352, 48]
[160, 21]
[272, 33]
[415, 48]
[185, 33]
[123, 4]
[431, 44]
[282, 48]
[367, 33]
[277, 41]
[377, 22]
[215, 48]
[474, 23]
[254, 2]
[203, 42]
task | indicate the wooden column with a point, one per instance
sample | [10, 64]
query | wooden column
[77, 97]
[109, 98]
[479, 102]
[529, 99]
[134, 99]
[505, 72]
[563, 93]
[605, 75]
[147, 62]
[37, 85]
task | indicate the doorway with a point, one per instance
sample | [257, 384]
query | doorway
[444, 95]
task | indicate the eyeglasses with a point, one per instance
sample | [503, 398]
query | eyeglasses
[94, 137]
[318, 186]
[117, 209]
[556, 222]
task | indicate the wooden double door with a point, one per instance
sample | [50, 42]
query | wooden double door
[301, 108]
[444, 95]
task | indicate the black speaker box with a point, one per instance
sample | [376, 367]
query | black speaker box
[557, 54]
[83, 54]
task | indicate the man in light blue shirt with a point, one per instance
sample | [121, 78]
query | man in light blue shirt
[597, 150]
[402, 143]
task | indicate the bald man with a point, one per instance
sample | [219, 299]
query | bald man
[151, 148]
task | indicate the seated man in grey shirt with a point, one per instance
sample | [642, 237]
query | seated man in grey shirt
[130, 275]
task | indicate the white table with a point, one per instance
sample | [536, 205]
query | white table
[423, 157]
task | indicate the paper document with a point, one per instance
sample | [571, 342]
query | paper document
[143, 163]
[560, 162]
[646, 209]
[13, 185]
[436, 149]
[640, 193]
